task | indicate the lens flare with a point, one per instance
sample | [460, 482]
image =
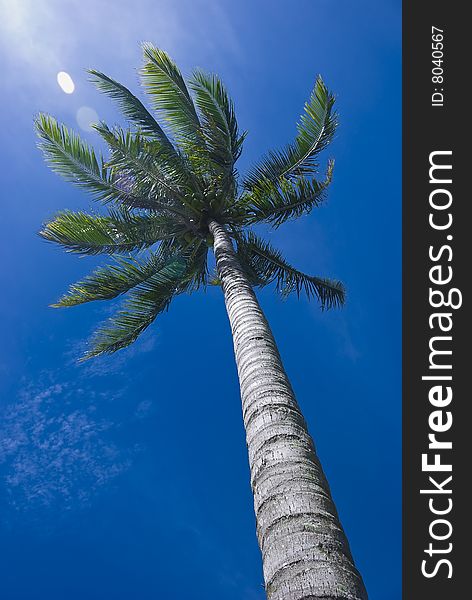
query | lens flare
[65, 82]
[86, 117]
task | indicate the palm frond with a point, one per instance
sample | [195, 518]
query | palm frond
[264, 264]
[131, 107]
[197, 270]
[114, 279]
[219, 124]
[72, 158]
[76, 161]
[168, 93]
[316, 129]
[120, 231]
[133, 153]
[142, 306]
[276, 204]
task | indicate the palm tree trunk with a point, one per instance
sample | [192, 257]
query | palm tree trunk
[305, 552]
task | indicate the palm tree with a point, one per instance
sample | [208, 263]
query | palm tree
[172, 193]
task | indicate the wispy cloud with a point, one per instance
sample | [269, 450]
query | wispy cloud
[56, 450]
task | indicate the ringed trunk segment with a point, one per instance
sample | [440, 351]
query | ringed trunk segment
[305, 552]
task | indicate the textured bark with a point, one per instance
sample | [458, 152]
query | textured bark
[305, 552]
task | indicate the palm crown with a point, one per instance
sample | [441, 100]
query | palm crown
[162, 185]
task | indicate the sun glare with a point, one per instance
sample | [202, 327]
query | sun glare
[65, 82]
[86, 117]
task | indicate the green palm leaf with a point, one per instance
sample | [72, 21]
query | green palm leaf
[76, 161]
[264, 264]
[168, 94]
[219, 125]
[120, 231]
[133, 153]
[316, 129]
[72, 158]
[131, 107]
[276, 204]
[145, 302]
[113, 280]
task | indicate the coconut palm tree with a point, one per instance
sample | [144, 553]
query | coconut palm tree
[171, 193]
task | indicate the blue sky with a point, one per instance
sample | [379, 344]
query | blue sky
[127, 477]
